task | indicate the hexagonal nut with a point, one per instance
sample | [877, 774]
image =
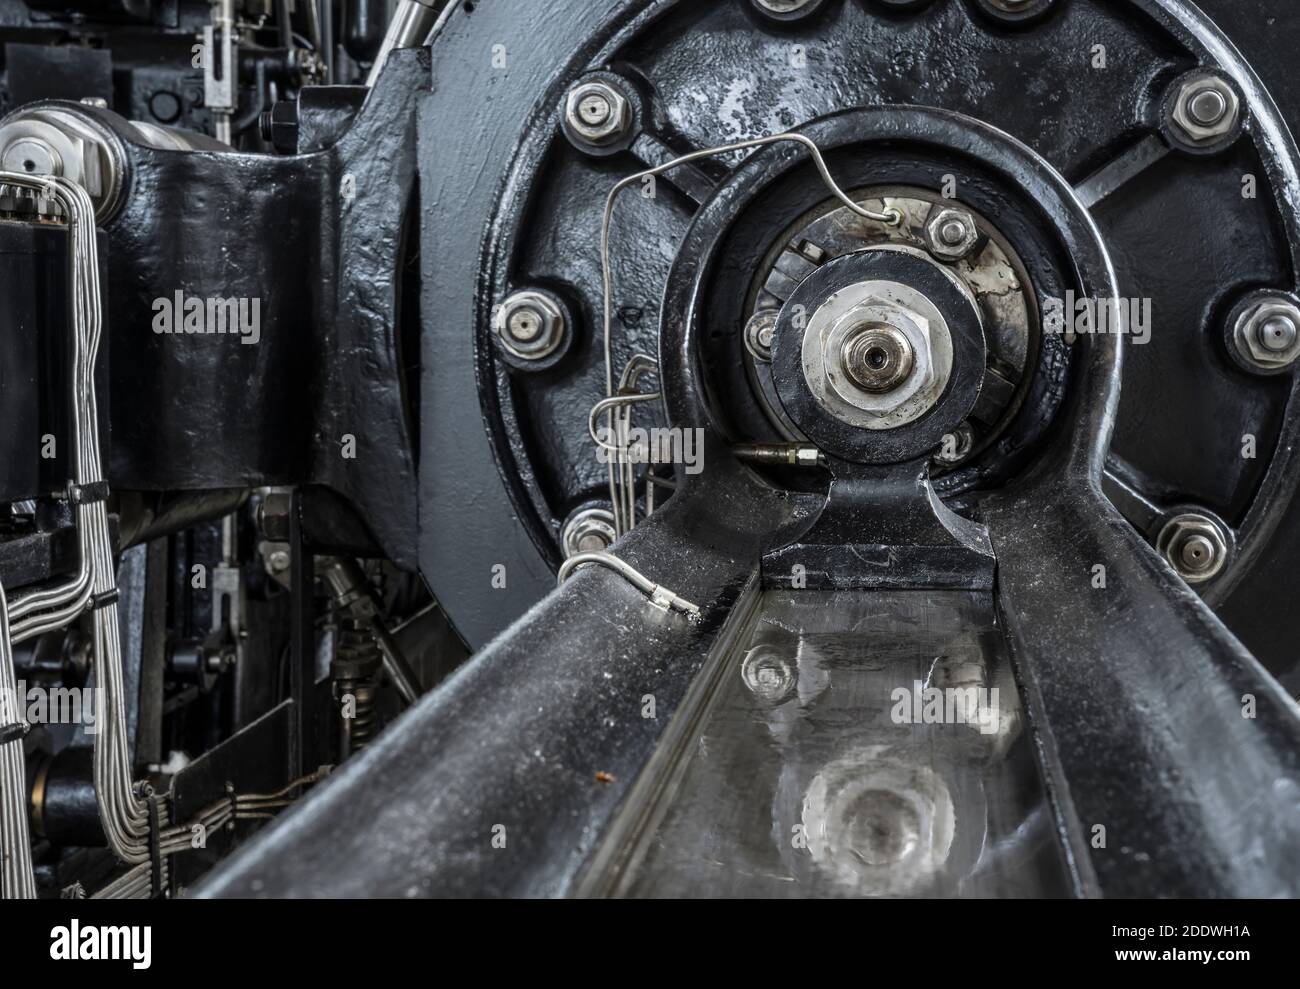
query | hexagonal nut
[1206, 108]
[1249, 336]
[912, 325]
[951, 234]
[1194, 545]
[759, 334]
[807, 456]
[530, 325]
[597, 112]
[588, 530]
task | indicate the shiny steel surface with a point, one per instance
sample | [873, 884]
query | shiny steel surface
[803, 782]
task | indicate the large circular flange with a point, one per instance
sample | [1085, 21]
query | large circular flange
[467, 283]
[817, 314]
[710, 289]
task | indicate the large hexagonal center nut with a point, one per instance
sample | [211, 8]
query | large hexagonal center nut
[1206, 108]
[877, 354]
[951, 234]
[597, 112]
[1268, 335]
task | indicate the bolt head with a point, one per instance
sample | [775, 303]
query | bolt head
[1195, 546]
[531, 325]
[1267, 335]
[951, 234]
[1277, 334]
[525, 324]
[594, 109]
[598, 113]
[1206, 108]
[1197, 553]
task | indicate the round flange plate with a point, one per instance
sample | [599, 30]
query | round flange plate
[813, 413]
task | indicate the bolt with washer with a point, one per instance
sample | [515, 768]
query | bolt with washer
[1194, 545]
[951, 234]
[589, 530]
[1206, 109]
[759, 332]
[530, 325]
[597, 113]
[1267, 335]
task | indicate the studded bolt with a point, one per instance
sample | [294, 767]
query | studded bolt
[1194, 545]
[597, 113]
[1267, 335]
[530, 325]
[1206, 108]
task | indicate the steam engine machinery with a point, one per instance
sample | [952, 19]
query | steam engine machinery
[649, 448]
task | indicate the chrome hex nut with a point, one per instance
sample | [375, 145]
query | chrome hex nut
[1267, 335]
[1194, 545]
[1206, 108]
[951, 234]
[597, 112]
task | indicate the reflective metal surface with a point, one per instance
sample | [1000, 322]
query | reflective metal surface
[858, 744]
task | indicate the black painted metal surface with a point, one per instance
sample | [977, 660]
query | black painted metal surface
[543, 232]
[1110, 682]
[32, 278]
[316, 241]
[501, 781]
